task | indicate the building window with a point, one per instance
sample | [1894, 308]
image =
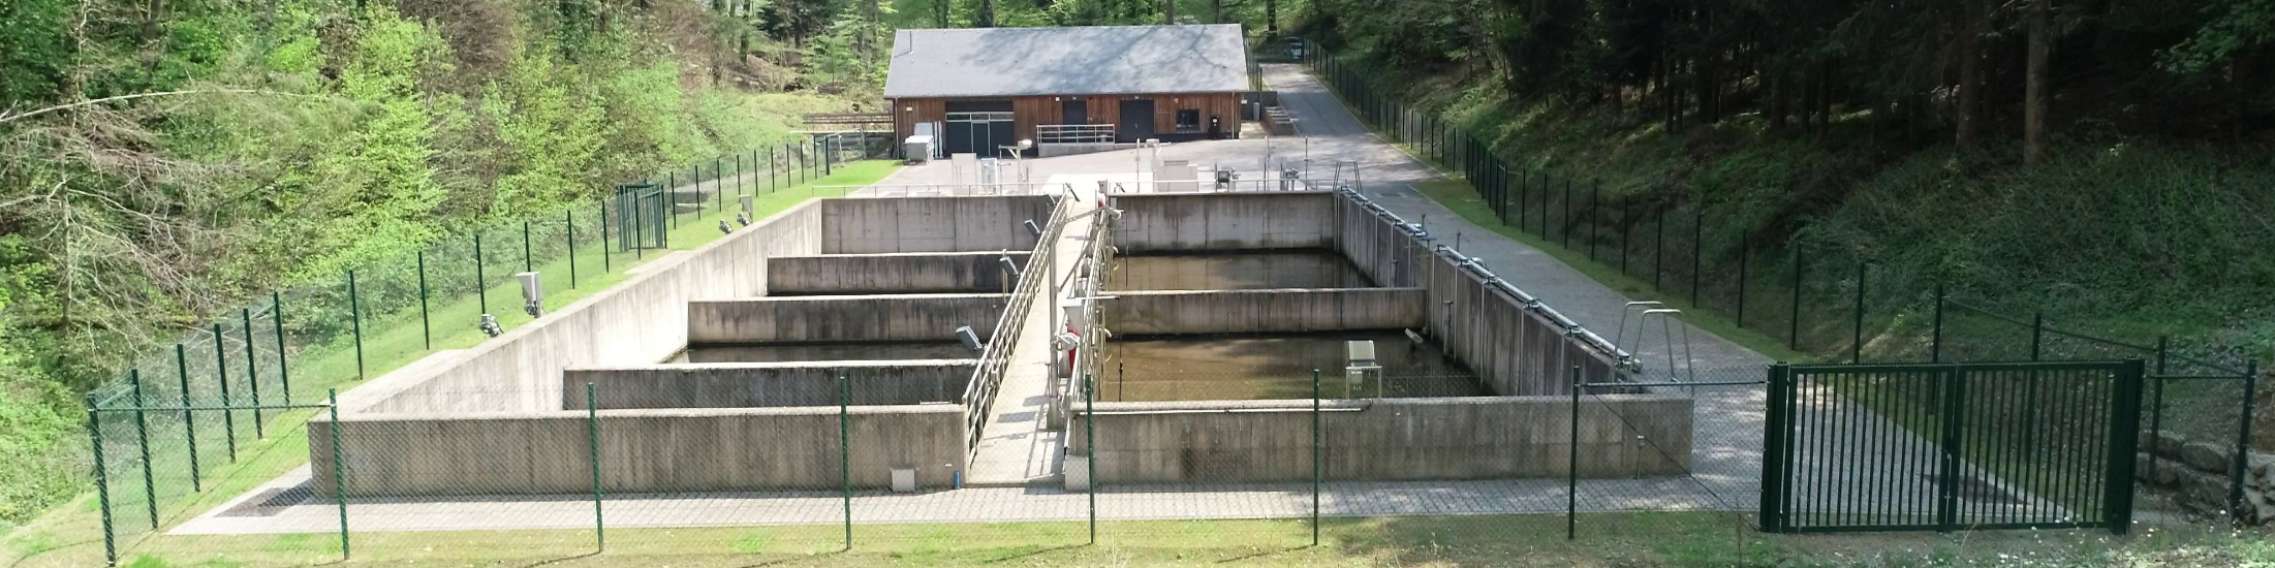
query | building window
[1188, 119]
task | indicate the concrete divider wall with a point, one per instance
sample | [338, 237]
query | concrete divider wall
[1262, 311]
[642, 320]
[769, 385]
[893, 317]
[1298, 269]
[933, 224]
[889, 273]
[1193, 222]
[1387, 439]
[640, 450]
[1517, 351]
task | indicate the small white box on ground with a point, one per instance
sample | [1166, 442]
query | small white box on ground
[1077, 472]
[904, 480]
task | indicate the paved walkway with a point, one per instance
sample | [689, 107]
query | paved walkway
[1017, 447]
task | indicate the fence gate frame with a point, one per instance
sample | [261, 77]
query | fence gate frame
[2119, 443]
[640, 217]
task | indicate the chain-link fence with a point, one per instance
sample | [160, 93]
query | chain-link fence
[1824, 302]
[191, 423]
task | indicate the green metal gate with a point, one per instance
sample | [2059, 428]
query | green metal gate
[640, 217]
[1949, 447]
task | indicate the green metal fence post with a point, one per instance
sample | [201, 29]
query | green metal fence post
[1770, 517]
[606, 265]
[221, 376]
[2038, 336]
[1951, 408]
[1793, 327]
[1318, 465]
[481, 280]
[339, 469]
[2243, 441]
[569, 222]
[718, 187]
[1090, 447]
[592, 441]
[1935, 337]
[1856, 341]
[1572, 463]
[845, 453]
[142, 440]
[773, 164]
[527, 264]
[252, 373]
[1595, 212]
[1567, 213]
[355, 323]
[189, 418]
[1659, 250]
[1745, 250]
[671, 195]
[102, 482]
[2156, 386]
[2124, 440]
[426, 317]
[696, 177]
[1697, 252]
[276, 322]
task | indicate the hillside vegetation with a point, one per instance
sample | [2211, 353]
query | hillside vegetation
[162, 160]
[2117, 181]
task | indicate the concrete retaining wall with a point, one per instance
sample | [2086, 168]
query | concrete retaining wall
[1517, 350]
[1262, 311]
[933, 224]
[891, 273]
[897, 317]
[769, 385]
[1195, 222]
[640, 321]
[640, 450]
[1389, 439]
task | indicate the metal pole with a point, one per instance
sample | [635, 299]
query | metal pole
[1572, 464]
[527, 264]
[606, 265]
[845, 453]
[1595, 209]
[695, 177]
[1318, 465]
[569, 222]
[142, 440]
[276, 321]
[1090, 447]
[1659, 250]
[426, 320]
[1793, 327]
[1745, 250]
[481, 281]
[1935, 339]
[102, 482]
[189, 419]
[339, 470]
[718, 186]
[355, 323]
[671, 195]
[252, 372]
[1697, 252]
[2156, 396]
[221, 376]
[1856, 342]
[2038, 335]
[592, 441]
[2243, 440]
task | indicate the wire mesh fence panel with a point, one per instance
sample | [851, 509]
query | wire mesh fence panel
[1182, 468]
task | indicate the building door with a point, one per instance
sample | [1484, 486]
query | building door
[978, 127]
[1136, 121]
[1074, 111]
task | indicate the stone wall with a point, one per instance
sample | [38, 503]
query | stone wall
[2198, 475]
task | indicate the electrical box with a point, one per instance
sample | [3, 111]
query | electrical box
[532, 293]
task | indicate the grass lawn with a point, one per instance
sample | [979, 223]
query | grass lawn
[392, 340]
[1612, 539]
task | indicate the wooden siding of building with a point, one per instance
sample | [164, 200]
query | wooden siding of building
[1028, 112]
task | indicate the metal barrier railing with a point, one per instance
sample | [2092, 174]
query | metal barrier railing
[1074, 133]
[979, 394]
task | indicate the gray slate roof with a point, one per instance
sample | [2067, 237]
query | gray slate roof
[1092, 60]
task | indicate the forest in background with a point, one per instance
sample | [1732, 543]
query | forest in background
[161, 160]
[2110, 163]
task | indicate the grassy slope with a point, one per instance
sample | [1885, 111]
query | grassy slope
[394, 340]
[1620, 539]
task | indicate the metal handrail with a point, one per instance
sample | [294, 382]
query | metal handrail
[979, 393]
[1074, 133]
